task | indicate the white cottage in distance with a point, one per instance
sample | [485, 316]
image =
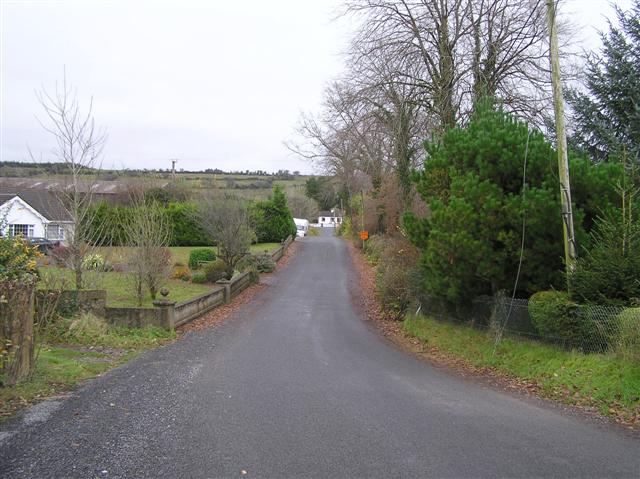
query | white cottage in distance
[330, 219]
[34, 214]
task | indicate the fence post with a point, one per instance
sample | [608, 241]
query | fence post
[16, 332]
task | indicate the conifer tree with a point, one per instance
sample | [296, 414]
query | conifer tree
[472, 183]
[606, 117]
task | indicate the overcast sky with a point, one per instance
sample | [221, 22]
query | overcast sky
[216, 84]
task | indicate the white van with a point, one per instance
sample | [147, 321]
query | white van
[302, 226]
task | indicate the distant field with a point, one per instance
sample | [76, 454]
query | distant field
[250, 187]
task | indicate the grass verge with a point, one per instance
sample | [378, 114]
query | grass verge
[603, 381]
[60, 367]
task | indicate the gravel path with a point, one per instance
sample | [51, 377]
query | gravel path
[296, 385]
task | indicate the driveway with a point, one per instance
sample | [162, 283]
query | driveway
[297, 385]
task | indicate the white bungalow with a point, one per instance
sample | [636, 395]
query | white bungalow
[330, 219]
[34, 214]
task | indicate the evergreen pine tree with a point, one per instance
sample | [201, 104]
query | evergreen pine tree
[606, 117]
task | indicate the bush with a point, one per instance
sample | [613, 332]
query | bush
[345, 229]
[608, 272]
[557, 318]
[186, 230]
[198, 277]
[374, 247]
[181, 272]
[265, 264]
[262, 263]
[84, 328]
[396, 257]
[198, 255]
[95, 262]
[215, 271]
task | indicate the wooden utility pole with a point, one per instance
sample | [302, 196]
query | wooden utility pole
[561, 140]
[173, 170]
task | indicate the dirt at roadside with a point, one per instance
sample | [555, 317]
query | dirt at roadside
[364, 297]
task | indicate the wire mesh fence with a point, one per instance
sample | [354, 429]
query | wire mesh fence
[592, 329]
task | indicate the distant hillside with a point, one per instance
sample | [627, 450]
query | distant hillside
[18, 169]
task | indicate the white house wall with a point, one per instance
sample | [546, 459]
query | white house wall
[15, 213]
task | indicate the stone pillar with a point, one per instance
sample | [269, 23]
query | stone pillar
[227, 289]
[167, 310]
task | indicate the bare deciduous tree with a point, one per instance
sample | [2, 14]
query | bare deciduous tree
[227, 221]
[461, 50]
[149, 233]
[79, 145]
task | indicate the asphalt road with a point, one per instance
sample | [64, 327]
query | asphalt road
[297, 385]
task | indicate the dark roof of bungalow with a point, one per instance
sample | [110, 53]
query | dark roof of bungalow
[47, 203]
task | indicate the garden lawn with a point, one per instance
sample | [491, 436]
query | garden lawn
[605, 381]
[120, 286]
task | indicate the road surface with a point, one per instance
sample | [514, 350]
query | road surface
[297, 385]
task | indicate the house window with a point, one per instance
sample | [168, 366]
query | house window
[322, 219]
[21, 230]
[55, 232]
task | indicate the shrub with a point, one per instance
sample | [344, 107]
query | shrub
[374, 247]
[557, 318]
[186, 230]
[95, 262]
[607, 273]
[198, 277]
[180, 272]
[84, 328]
[265, 264]
[393, 287]
[215, 271]
[198, 255]
[346, 228]
[262, 263]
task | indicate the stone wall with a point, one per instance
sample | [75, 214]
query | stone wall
[240, 283]
[194, 308]
[134, 317]
[71, 301]
[278, 253]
